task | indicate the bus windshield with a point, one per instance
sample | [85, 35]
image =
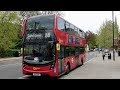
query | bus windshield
[39, 54]
[40, 22]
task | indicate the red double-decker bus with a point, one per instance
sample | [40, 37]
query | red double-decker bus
[51, 46]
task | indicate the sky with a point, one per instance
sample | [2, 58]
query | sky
[90, 20]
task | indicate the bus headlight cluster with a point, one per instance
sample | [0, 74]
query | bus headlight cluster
[52, 66]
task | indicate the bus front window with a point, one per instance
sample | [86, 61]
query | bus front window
[43, 53]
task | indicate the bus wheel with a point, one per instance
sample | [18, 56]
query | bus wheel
[77, 63]
[81, 62]
[68, 69]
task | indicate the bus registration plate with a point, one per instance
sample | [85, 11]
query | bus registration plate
[36, 74]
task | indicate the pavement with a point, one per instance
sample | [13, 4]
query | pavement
[96, 68]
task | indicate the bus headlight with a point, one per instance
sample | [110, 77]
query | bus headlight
[52, 66]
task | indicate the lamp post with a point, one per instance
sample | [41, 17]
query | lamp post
[113, 34]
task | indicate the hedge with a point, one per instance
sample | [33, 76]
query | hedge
[12, 53]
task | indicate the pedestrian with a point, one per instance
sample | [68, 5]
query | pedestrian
[99, 51]
[103, 55]
[110, 55]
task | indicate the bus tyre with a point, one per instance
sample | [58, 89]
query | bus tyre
[82, 62]
[77, 63]
[68, 69]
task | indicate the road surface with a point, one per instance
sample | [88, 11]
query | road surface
[11, 68]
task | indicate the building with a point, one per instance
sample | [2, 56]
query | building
[117, 42]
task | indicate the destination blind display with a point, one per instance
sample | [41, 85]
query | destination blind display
[38, 37]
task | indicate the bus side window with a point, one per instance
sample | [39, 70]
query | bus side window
[77, 41]
[83, 35]
[67, 27]
[77, 51]
[70, 39]
[66, 51]
[71, 51]
[71, 29]
[81, 50]
[61, 24]
[74, 49]
[76, 31]
[80, 33]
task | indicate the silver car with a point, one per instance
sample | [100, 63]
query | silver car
[106, 50]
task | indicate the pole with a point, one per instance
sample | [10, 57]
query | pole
[113, 34]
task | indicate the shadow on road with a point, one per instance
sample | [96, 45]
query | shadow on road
[41, 77]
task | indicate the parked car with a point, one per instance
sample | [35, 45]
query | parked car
[106, 50]
[100, 49]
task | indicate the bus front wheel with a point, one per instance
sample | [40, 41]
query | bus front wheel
[68, 69]
[81, 62]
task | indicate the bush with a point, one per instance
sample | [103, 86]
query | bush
[12, 53]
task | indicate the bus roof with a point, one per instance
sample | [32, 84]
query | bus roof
[40, 16]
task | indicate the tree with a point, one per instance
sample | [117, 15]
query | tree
[23, 14]
[9, 27]
[116, 27]
[105, 35]
[90, 39]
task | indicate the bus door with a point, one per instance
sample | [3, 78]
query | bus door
[61, 60]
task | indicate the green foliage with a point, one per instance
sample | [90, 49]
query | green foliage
[23, 14]
[91, 39]
[118, 49]
[11, 53]
[104, 38]
[9, 28]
